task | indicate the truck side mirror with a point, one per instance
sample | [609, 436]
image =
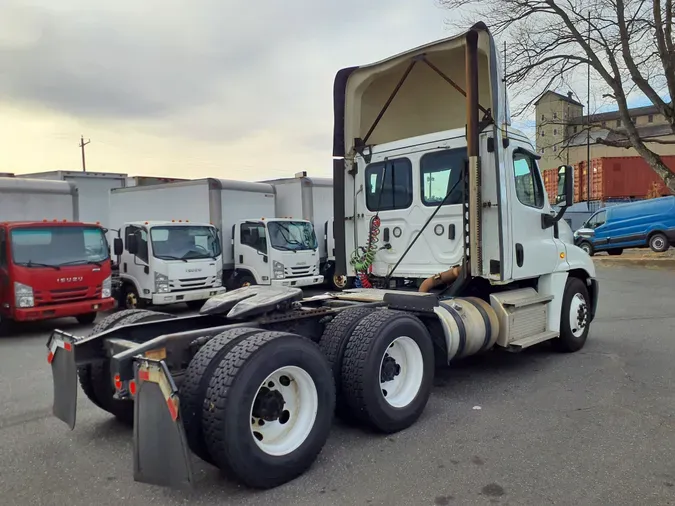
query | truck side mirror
[118, 246]
[132, 244]
[565, 197]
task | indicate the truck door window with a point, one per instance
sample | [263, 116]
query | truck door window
[529, 190]
[598, 219]
[396, 192]
[253, 235]
[142, 240]
[439, 173]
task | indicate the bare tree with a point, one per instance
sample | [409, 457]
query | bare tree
[627, 43]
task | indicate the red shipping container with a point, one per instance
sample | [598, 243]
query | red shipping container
[612, 178]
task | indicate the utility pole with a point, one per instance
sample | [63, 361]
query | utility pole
[588, 126]
[82, 145]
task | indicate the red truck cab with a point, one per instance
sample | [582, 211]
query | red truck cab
[52, 270]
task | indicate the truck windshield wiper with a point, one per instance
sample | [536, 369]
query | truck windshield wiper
[30, 263]
[80, 262]
[170, 257]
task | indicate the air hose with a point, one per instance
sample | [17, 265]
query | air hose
[363, 261]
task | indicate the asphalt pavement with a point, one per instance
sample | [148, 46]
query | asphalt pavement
[591, 428]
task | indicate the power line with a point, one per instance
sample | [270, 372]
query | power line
[82, 145]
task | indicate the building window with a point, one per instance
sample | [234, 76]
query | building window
[541, 133]
[650, 118]
[542, 150]
[618, 122]
[574, 129]
[555, 115]
[555, 148]
[555, 131]
[543, 117]
[604, 124]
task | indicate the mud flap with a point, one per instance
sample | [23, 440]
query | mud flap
[61, 357]
[161, 453]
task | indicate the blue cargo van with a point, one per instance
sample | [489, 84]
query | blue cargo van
[643, 224]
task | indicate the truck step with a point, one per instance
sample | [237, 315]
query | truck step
[526, 342]
[527, 301]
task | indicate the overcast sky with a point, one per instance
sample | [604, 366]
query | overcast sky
[221, 88]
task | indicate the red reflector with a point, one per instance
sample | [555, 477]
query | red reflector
[132, 387]
[67, 346]
[172, 409]
[118, 382]
[144, 375]
[50, 357]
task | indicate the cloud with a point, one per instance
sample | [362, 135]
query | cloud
[209, 75]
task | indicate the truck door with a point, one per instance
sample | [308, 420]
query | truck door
[535, 250]
[251, 251]
[5, 291]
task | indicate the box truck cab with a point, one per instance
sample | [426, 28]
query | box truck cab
[277, 251]
[53, 270]
[166, 262]
[643, 224]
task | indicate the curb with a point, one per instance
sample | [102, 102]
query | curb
[654, 263]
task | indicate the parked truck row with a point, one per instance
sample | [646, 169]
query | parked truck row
[174, 241]
[251, 383]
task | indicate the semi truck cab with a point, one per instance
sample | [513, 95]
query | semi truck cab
[277, 252]
[168, 262]
[53, 270]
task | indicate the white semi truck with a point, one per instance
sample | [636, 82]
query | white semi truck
[257, 248]
[252, 383]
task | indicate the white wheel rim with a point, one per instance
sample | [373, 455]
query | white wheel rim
[400, 388]
[657, 243]
[578, 315]
[340, 281]
[294, 421]
[586, 248]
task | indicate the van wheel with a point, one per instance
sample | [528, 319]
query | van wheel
[659, 243]
[575, 317]
[388, 370]
[615, 251]
[588, 248]
[269, 408]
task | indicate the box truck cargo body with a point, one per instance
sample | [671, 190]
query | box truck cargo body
[24, 199]
[256, 248]
[92, 188]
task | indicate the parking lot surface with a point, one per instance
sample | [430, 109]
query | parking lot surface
[591, 428]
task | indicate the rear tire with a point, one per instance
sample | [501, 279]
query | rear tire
[86, 319]
[196, 381]
[615, 252]
[5, 326]
[575, 317]
[95, 378]
[247, 387]
[659, 243]
[388, 370]
[245, 280]
[333, 343]
[131, 299]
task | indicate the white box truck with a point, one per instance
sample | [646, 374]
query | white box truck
[311, 198]
[93, 189]
[257, 248]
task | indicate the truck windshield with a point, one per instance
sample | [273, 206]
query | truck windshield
[58, 246]
[292, 235]
[184, 242]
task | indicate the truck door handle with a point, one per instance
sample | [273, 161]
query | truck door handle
[451, 231]
[241, 259]
[386, 234]
[519, 254]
